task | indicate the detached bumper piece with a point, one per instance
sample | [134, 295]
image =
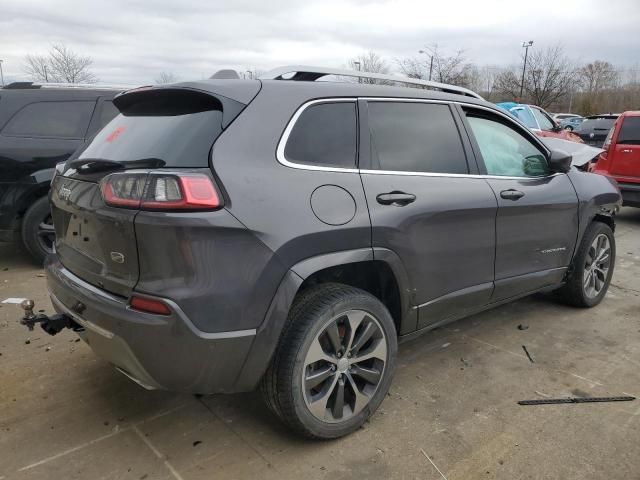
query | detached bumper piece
[52, 324]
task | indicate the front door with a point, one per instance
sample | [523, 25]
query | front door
[426, 207]
[537, 221]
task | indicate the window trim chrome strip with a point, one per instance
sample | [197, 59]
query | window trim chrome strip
[300, 166]
[287, 131]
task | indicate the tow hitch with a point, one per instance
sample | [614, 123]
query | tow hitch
[52, 324]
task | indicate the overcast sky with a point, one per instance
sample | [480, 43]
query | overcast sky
[132, 41]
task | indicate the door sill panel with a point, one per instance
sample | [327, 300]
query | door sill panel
[475, 311]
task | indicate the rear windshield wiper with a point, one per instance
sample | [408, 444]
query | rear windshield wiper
[94, 165]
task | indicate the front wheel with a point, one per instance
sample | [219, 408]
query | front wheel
[592, 267]
[334, 363]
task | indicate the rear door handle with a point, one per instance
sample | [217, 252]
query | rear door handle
[627, 150]
[399, 199]
[511, 194]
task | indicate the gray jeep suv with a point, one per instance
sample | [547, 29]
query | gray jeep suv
[221, 235]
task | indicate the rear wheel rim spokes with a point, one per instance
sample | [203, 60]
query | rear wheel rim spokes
[344, 366]
[46, 233]
[597, 265]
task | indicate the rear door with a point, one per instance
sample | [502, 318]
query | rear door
[626, 160]
[537, 221]
[426, 206]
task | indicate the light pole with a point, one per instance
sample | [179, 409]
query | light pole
[526, 46]
[430, 62]
[358, 66]
[1, 74]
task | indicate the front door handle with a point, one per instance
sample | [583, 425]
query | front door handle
[627, 150]
[511, 194]
[399, 199]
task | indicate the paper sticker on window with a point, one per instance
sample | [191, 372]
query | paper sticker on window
[115, 134]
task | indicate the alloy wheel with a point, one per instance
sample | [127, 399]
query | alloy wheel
[46, 233]
[344, 366]
[597, 264]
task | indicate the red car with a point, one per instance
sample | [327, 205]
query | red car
[621, 157]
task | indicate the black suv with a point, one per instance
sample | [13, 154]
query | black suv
[40, 126]
[593, 131]
[224, 234]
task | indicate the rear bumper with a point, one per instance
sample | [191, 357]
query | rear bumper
[158, 352]
[630, 194]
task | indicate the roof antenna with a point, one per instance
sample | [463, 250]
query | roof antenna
[225, 74]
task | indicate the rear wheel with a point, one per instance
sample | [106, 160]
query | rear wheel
[38, 234]
[592, 267]
[334, 364]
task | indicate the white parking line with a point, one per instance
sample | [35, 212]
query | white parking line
[157, 453]
[434, 465]
[71, 450]
[99, 439]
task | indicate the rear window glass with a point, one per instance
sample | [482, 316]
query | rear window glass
[176, 128]
[630, 131]
[51, 119]
[324, 135]
[597, 124]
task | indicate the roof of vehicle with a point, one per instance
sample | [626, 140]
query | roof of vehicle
[608, 116]
[244, 90]
[631, 113]
[22, 86]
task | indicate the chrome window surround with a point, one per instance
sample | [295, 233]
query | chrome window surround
[300, 166]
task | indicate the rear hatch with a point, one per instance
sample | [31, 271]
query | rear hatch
[594, 130]
[158, 132]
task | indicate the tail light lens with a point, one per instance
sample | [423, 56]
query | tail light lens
[161, 191]
[149, 305]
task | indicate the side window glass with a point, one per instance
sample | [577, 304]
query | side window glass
[324, 135]
[415, 137]
[630, 131]
[543, 121]
[505, 151]
[51, 119]
[107, 113]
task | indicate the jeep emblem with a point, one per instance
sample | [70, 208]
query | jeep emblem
[64, 193]
[117, 257]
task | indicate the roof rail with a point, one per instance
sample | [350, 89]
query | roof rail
[95, 86]
[307, 73]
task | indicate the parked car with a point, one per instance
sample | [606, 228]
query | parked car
[538, 120]
[594, 129]
[558, 117]
[40, 126]
[621, 157]
[571, 123]
[221, 235]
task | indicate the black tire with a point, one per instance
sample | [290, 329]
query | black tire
[36, 244]
[574, 291]
[283, 387]
[569, 128]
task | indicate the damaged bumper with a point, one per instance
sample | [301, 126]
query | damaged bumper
[156, 351]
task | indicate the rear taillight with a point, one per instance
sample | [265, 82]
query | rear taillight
[149, 305]
[161, 191]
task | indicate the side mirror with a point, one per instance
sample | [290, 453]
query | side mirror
[560, 161]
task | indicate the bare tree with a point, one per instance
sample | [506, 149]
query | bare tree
[60, 64]
[166, 77]
[597, 76]
[548, 78]
[454, 69]
[370, 62]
